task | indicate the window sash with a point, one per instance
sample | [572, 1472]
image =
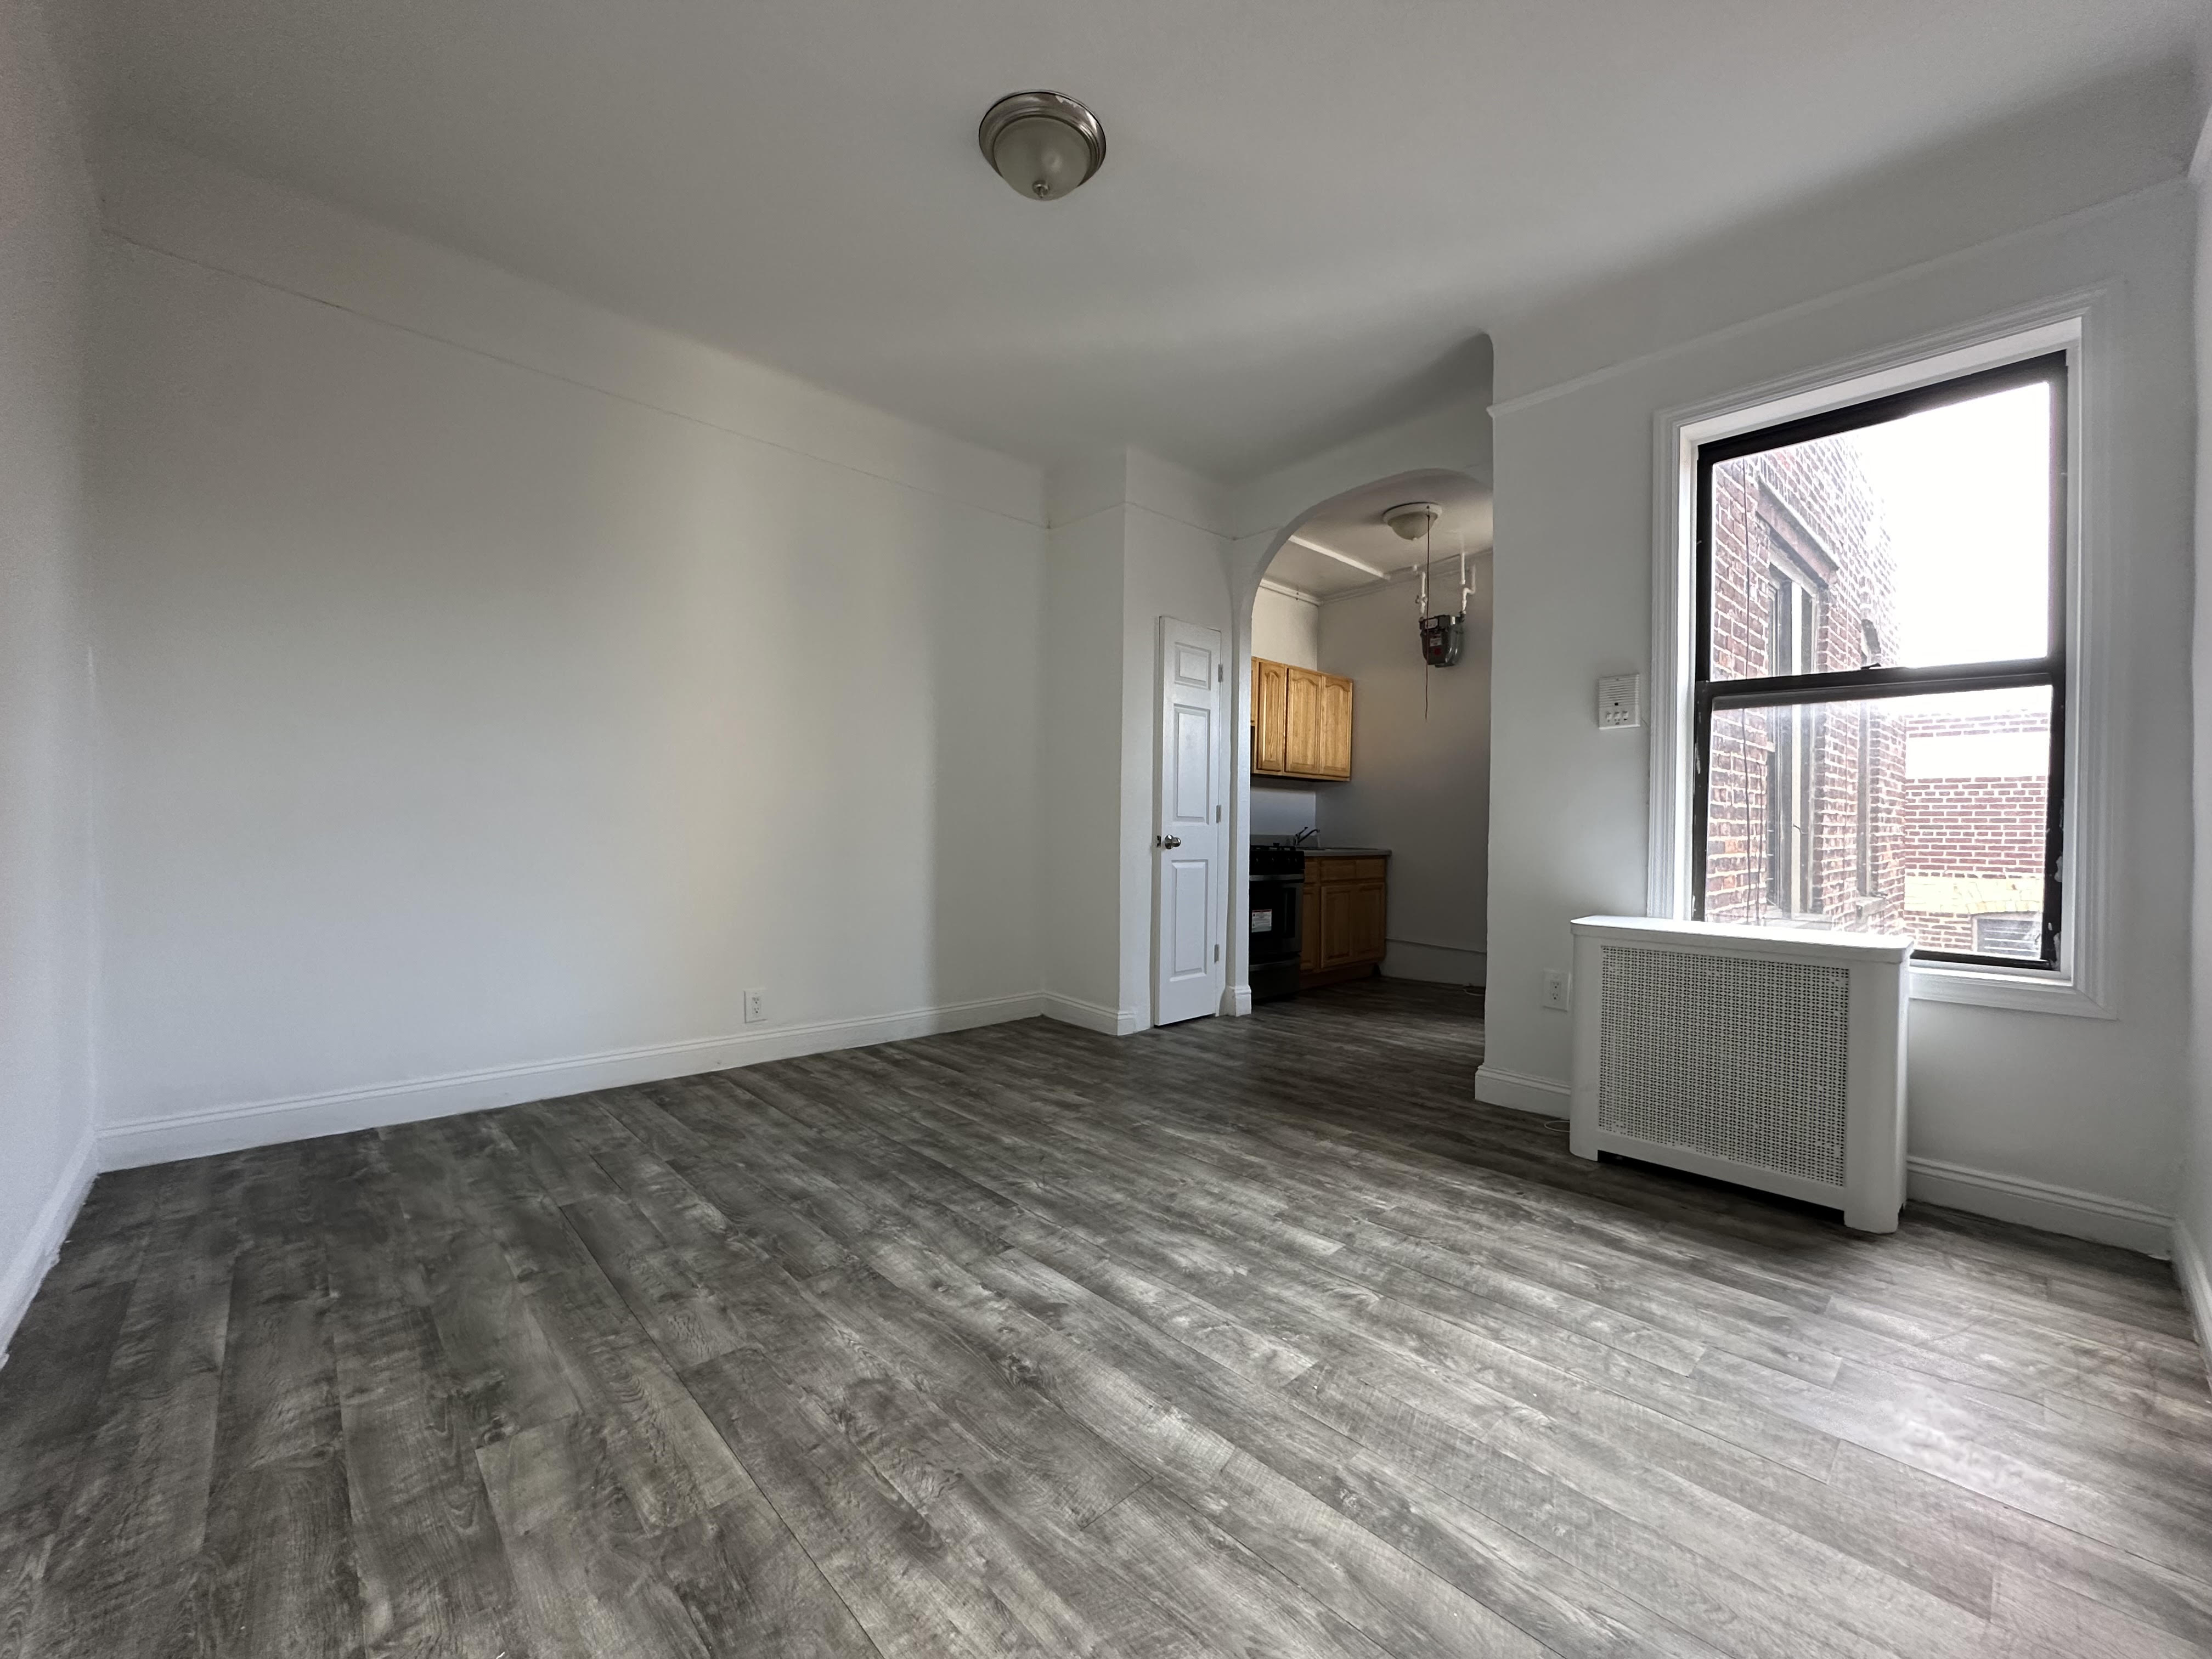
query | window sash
[1783, 690]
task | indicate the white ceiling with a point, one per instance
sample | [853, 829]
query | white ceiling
[1353, 524]
[1310, 210]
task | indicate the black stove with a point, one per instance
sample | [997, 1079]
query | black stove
[1278, 895]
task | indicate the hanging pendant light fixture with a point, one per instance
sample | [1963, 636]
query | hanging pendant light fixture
[1041, 144]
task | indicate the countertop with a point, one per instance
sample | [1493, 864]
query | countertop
[1336, 852]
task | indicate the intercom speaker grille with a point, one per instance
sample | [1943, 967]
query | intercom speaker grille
[1741, 1057]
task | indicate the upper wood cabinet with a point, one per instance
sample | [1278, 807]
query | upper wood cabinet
[1302, 726]
[1301, 722]
[1333, 752]
[1270, 690]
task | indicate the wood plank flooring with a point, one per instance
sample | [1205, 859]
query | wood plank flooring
[1253, 1337]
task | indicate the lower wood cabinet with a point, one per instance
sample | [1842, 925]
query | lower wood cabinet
[1346, 916]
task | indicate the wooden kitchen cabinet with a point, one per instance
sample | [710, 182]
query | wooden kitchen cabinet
[1333, 718]
[1348, 908]
[1270, 692]
[1301, 722]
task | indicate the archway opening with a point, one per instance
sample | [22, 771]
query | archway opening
[1363, 787]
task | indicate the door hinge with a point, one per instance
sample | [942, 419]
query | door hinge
[1221, 670]
[1217, 953]
[1217, 814]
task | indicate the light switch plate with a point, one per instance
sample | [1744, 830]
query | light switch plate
[1620, 700]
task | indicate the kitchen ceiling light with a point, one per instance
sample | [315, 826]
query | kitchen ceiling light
[1042, 143]
[1413, 519]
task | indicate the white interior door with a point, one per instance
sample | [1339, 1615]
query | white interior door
[1190, 900]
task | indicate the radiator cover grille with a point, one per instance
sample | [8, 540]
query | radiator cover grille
[1741, 1057]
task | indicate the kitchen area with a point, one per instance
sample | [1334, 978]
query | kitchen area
[1370, 743]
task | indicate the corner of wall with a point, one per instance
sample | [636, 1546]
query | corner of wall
[2192, 1270]
[41, 1245]
[46, 1115]
[2193, 1226]
[1175, 492]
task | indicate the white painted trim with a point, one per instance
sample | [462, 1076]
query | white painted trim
[164, 201]
[2076, 323]
[1844, 950]
[341, 1111]
[2040, 1204]
[1090, 1015]
[42, 1246]
[1272, 586]
[1858, 290]
[1438, 964]
[1236, 1001]
[1405, 578]
[2195, 1274]
[2043, 1204]
[1311, 546]
[1516, 1091]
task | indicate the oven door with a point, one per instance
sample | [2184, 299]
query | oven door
[1273, 920]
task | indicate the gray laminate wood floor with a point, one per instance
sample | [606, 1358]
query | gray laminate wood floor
[1254, 1337]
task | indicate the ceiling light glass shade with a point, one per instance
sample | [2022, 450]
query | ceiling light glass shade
[1413, 519]
[1041, 144]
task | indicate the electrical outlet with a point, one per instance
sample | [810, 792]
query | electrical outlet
[756, 1007]
[1555, 989]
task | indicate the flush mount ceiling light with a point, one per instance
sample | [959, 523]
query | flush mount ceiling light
[1042, 143]
[1413, 519]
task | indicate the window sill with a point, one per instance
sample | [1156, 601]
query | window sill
[2028, 992]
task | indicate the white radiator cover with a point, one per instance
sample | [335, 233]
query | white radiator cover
[1769, 1057]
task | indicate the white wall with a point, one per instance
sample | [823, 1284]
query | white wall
[1173, 552]
[46, 230]
[1286, 628]
[2192, 1252]
[1281, 811]
[1420, 771]
[493, 689]
[1133, 538]
[1079, 900]
[2070, 1122]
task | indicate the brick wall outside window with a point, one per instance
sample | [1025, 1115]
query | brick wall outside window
[1888, 844]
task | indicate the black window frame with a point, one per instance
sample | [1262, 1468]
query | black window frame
[2050, 368]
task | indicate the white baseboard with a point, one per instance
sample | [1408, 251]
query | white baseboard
[2042, 1203]
[1979, 1191]
[1517, 1090]
[2195, 1273]
[1438, 964]
[269, 1122]
[1236, 1001]
[1090, 1015]
[42, 1245]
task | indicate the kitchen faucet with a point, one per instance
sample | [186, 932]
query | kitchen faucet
[1299, 839]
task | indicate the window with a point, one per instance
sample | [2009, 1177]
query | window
[1879, 689]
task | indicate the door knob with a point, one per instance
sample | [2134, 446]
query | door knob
[1167, 840]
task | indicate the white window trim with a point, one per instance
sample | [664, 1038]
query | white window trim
[2082, 984]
